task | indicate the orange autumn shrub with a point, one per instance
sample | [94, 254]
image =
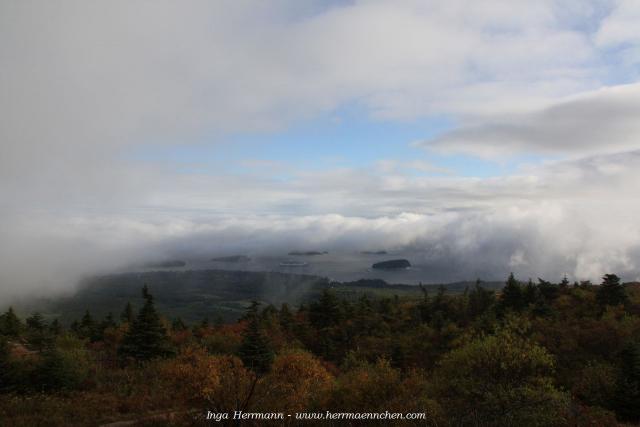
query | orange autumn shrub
[297, 381]
[216, 383]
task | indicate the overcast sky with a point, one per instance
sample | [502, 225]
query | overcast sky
[501, 133]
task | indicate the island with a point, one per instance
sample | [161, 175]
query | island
[293, 264]
[394, 264]
[232, 258]
[307, 253]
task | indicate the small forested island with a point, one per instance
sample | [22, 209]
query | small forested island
[293, 264]
[374, 252]
[232, 258]
[307, 253]
[394, 264]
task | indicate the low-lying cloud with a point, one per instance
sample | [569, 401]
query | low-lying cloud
[86, 84]
[558, 219]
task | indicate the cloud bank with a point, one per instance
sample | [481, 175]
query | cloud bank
[85, 84]
[603, 121]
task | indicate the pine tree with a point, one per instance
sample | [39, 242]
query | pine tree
[269, 312]
[178, 325]
[5, 373]
[108, 322]
[326, 312]
[255, 350]
[286, 318]
[127, 314]
[35, 322]
[87, 327]
[530, 293]
[424, 307]
[627, 396]
[37, 332]
[10, 324]
[146, 338]
[59, 370]
[585, 284]
[611, 291]
[480, 300]
[541, 307]
[548, 290]
[55, 328]
[512, 298]
[439, 309]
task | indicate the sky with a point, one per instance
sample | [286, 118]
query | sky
[489, 136]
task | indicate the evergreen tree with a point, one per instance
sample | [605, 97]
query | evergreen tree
[5, 373]
[530, 293]
[611, 291]
[55, 328]
[35, 322]
[585, 284]
[424, 307]
[480, 300]
[627, 396]
[57, 371]
[37, 332]
[326, 311]
[127, 314]
[147, 337]
[541, 307]
[387, 309]
[439, 309]
[106, 323]
[75, 327]
[87, 327]
[548, 290]
[364, 307]
[512, 297]
[269, 312]
[286, 318]
[255, 350]
[178, 325]
[10, 324]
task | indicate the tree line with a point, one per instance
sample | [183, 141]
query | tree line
[534, 353]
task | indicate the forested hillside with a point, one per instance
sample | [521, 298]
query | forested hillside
[194, 295]
[532, 354]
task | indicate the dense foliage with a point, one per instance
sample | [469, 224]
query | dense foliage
[533, 354]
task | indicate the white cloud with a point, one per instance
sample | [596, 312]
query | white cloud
[621, 26]
[84, 83]
[603, 121]
[548, 221]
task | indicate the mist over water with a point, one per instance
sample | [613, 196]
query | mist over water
[343, 267]
[135, 133]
